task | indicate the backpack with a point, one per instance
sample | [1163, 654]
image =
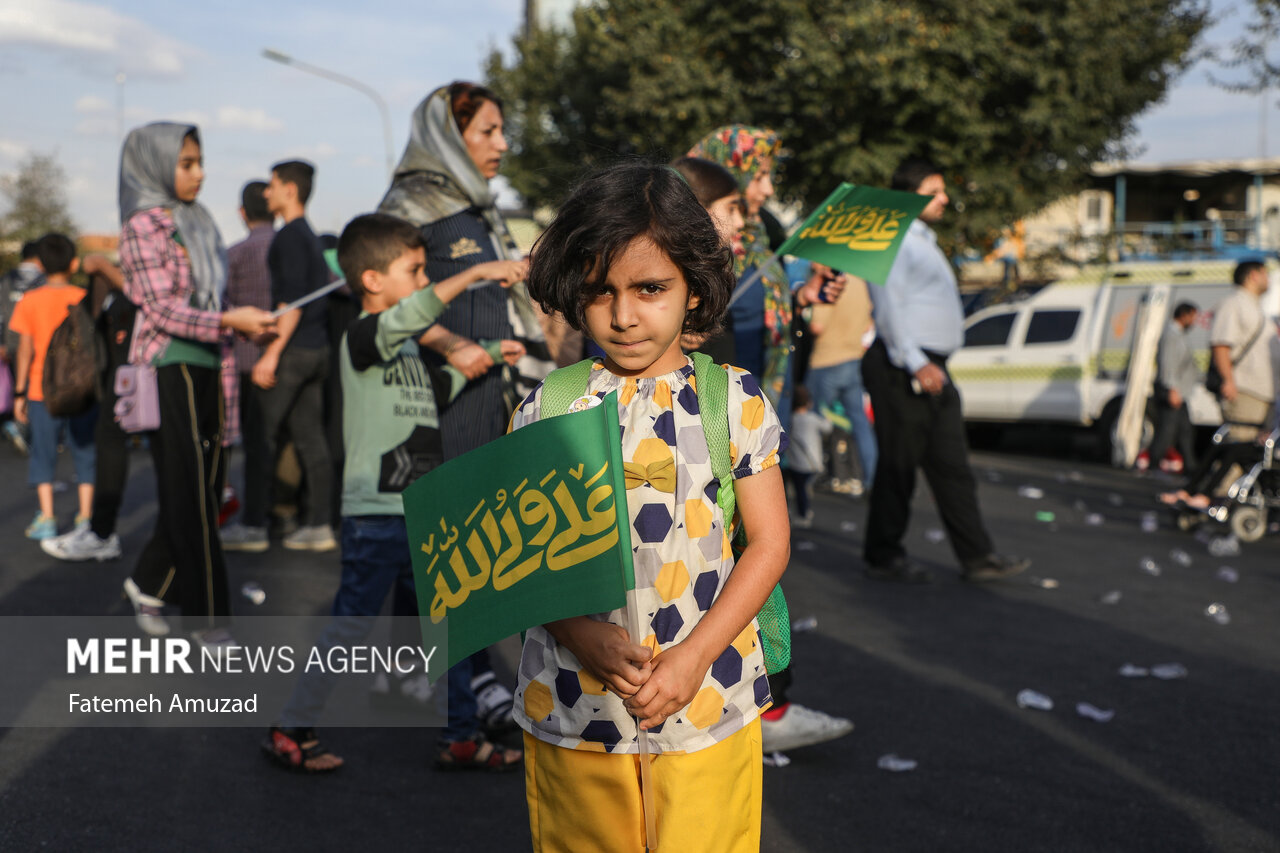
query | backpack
[567, 384]
[70, 382]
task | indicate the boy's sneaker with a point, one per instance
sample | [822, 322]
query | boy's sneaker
[411, 693]
[42, 527]
[215, 638]
[804, 522]
[82, 544]
[146, 610]
[493, 704]
[800, 726]
[214, 642]
[13, 431]
[239, 537]
[313, 537]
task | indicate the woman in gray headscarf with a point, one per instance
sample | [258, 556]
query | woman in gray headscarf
[175, 271]
[442, 185]
[455, 148]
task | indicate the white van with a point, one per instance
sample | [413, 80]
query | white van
[1062, 355]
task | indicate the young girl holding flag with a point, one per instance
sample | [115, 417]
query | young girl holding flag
[634, 260]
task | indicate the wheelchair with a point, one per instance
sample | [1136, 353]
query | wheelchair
[1252, 496]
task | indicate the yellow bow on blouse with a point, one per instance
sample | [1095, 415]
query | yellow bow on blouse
[661, 474]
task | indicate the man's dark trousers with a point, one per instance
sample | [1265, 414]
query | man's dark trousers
[926, 432]
[1173, 429]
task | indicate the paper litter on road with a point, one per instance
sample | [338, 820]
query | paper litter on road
[1169, 671]
[1093, 712]
[893, 763]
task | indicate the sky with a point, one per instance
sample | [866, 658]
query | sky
[203, 63]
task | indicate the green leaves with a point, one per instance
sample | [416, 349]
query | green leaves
[1014, 100]
[37, 200]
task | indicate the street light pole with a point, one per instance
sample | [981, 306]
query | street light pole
[286, 59]
[120, 78]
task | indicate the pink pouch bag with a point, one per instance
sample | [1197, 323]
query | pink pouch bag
[6, 390]
[137, 398]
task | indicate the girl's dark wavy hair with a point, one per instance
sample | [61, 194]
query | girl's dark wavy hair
[603, 214]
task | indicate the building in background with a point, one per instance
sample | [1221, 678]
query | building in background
[1188, 209]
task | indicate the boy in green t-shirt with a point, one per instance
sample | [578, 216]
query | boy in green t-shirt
[391, 431]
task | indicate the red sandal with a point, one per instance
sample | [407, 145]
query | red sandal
[292, 749]
[478, 753]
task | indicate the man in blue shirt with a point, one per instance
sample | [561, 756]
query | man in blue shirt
[919, 324]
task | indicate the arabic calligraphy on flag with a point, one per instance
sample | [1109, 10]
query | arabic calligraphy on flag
[526, 530]
[857, 230]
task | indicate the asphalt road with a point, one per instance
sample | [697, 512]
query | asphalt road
[929, 673]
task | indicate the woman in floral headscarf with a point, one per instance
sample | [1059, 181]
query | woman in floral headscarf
[762, 311]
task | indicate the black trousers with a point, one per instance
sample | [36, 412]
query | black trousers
[112, 467]
[182, 563]
[297, 401]
[115, 331]
[1173, 429]
[925, 432]
[800, 482]
[259, 467]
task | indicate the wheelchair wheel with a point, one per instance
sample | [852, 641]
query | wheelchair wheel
[1249, 523]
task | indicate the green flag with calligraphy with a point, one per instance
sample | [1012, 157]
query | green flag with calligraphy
[857, 230]
[528, 529]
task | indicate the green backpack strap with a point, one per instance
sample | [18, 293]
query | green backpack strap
[713, 401]
[563, 386]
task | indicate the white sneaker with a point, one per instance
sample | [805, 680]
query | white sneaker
[413, 692]
[238, 537]
[800, 726]
[13, 430]
[217, 641]
[82, 544]
[493, 702]
[314, 537]
[146, 610]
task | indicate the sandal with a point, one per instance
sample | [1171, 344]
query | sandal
[297, 750]
[478, 753]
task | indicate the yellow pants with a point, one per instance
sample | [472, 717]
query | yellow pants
[707, 801]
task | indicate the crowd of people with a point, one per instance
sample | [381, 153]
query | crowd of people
[298, 348]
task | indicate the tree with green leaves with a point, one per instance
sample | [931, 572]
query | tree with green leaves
[1252, 60]
[1014, 100]
[37, 200]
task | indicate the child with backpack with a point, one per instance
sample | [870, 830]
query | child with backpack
[634, 260]
[383, 260]
[35, 318]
